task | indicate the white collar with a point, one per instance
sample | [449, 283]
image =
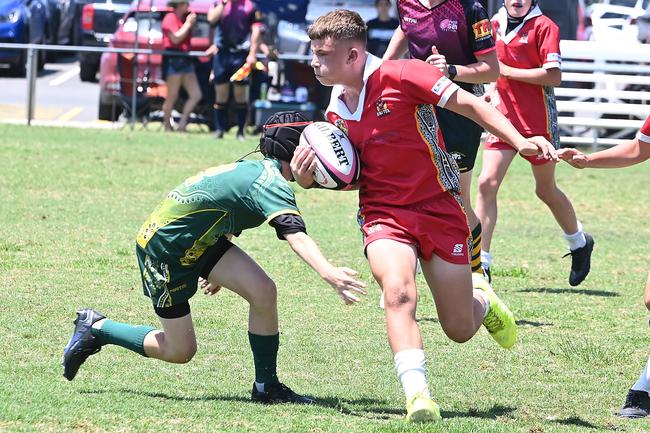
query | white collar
[502, 18]
[338, 106]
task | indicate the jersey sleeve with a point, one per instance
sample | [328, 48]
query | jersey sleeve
[257, 17]
[548, 40]
[480, 30]
[276, 198]
[168, 24]
[644, 133]
[423, 83]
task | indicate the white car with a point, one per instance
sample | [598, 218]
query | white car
[613, 22]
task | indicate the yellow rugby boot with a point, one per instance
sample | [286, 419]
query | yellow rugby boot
[499, 321]
[420, 408]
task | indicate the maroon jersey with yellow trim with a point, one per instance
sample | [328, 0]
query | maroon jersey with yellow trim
[395, 131]
[535, 43]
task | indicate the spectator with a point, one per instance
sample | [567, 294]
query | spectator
[236, 42]
[381, 29]
[179, 70]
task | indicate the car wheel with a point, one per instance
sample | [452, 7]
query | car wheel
[88, 71]
[108, 112]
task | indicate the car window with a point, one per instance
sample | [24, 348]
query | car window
[147, 24]
[202, 27]
[646, 3]
[628, 3]
[122, 2]
[613, 15]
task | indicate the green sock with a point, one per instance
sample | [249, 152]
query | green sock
[122, 334]
[265, 355]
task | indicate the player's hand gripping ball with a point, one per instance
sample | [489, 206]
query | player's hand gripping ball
[337, 162]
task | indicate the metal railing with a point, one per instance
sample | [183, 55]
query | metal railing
[32, 56]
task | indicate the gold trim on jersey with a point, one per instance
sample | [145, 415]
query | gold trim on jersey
[282, 212]
[155, 223]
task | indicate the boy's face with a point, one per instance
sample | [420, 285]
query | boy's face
[331, 60]
[518, 8]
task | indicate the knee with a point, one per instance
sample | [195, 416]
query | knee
[399, 294]
[183, 355]
[546, 193]
[458, 332]
[265, 294]
[487, 186]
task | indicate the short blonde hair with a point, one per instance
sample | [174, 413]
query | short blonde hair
[341, 24]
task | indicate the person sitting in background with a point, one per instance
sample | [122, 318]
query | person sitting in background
[381, 29]
[179, 70]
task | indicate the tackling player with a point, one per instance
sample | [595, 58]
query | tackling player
[455, 36]
[528, 45]
[637, 402]
[186, 237]
[408, 191]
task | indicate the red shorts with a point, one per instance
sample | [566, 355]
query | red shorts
[492, 142]
[438, 228]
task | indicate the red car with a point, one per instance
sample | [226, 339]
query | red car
[116, 70]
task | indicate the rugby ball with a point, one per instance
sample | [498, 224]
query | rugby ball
[337, 162]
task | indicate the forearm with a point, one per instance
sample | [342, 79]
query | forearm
[307, 250]
[214, 14]
[538, 76]
[623, 155]
[485, 70]
[256, 39]
[397, 45]
[485, 115]
[181, 34]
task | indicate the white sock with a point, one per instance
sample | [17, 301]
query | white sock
[486, 259]
[480, 293]
[643, 384]
[409, 364]
[576, 240]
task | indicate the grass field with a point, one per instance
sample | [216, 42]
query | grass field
[71, 202]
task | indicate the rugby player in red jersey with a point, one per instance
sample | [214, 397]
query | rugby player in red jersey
[409, 191]
[528, 46]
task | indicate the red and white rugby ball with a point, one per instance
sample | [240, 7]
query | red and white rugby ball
[337, 162]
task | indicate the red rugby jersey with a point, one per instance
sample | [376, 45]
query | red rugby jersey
[533, 44]
[644, 133]
[395, 130]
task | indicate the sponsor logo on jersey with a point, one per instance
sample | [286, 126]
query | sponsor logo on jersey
[554, 57]
[448, 25]
[374, 228]
[458, 250]
[524, 38]
[481, 30]
[410, 20]
[382, 108]
[340, 123]
[457, 156]
[440, 85]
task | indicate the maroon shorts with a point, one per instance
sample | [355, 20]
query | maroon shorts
[492, 142]
[438, 228]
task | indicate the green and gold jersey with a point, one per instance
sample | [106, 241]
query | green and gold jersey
[220, 200]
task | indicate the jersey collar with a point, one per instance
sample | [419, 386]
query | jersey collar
[502, 19]
[336, 103]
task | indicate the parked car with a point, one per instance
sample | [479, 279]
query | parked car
[69, 19]
[116, 70]
[99, 20]
[22, 21]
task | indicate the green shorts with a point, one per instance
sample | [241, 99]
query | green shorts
[462, 137]
[168, 283]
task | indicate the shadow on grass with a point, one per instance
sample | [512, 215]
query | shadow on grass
[369, 408]
[577, 421]
[587, 292]
[427, 319]
[531, 323]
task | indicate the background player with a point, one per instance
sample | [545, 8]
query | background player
[408, 191]
[637, 402]
[528, 45]
[186, 237]
[455, 36]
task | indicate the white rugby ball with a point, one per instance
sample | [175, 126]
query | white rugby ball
[337, 162]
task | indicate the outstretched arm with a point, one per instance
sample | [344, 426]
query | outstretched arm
[342, 279]
[623, 155]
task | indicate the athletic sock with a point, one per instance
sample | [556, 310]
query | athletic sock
[410, 364]
[220, 117]
[265, 356]
[242, 112]
[577, 239]
[122, 334]
[486, 300]
[476, 249]
[643, 384]
[486, 259]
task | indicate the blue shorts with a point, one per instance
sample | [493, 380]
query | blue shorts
[178, 65]
[225, 63]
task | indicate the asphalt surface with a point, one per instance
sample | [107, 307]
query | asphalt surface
[60, 97]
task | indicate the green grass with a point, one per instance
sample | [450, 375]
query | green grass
[71, 202]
